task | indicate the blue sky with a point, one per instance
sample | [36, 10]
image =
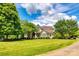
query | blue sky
[47, 14]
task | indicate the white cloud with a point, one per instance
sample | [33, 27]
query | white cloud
[78, 24]
[35, 6]
[44, 7]
[73, 17]
[51, 20]
[67, 17]
[61, 8]
[25, 5]
[49, 15]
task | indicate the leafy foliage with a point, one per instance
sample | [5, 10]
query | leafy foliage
[66, 28]
[9, 20]
[28, 28]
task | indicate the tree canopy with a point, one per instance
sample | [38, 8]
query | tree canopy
[28, 28]
[9, 20]
[66, 28]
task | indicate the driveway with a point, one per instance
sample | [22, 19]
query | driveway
[72, 50]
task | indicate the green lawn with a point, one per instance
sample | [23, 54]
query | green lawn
[31, 47]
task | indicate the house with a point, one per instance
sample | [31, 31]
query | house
[45, 32]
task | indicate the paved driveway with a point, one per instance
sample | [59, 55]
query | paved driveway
[72, 50]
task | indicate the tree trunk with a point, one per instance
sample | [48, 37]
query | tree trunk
[6, 36]
[33, 35]
[22, 36]
[17, 36]
[28, 36]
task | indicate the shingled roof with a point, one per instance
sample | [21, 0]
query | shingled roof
[47, 29]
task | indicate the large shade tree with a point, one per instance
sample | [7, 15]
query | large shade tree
[24, 29]
[9, 20]
[31, 29]
[66, 28]
[28, 28]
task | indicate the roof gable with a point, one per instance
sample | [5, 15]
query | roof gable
[47, 29]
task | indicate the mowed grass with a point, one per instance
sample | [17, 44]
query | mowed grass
[31, 47]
